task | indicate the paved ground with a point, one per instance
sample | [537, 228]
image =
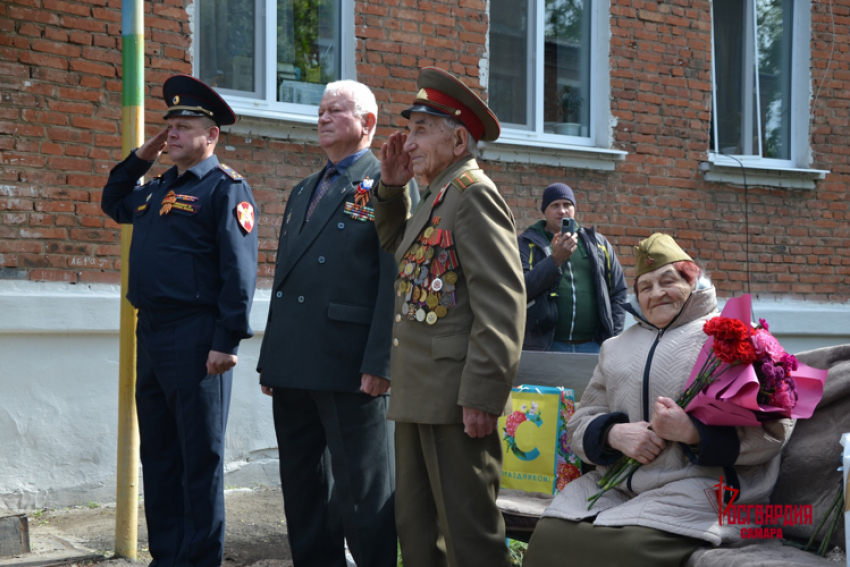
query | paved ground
[256, 534]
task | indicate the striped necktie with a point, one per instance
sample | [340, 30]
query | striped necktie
[323, 187]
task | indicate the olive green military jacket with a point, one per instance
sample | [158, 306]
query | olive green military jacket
[462, 349]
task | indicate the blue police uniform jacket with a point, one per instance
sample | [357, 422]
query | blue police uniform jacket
[197, 256]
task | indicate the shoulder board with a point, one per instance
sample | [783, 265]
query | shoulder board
[464, 180]
[231, 173]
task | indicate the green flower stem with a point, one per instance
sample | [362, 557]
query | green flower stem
[835, 502]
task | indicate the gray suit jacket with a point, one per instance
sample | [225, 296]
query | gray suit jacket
[330, 318]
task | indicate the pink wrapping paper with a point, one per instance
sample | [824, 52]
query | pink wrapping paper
[733, 398]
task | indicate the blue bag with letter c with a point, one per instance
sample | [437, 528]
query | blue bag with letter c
[538, 457]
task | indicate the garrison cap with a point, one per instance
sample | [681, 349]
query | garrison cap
[442, 94]
[655, 251]
[187, 96]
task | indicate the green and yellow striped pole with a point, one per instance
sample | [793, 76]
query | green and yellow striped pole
[133, 128]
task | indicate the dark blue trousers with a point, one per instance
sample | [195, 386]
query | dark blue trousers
[182, 421]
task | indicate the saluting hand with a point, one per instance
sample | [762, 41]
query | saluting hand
[478, 423]
[395, 162]
[153, 148]
[219, 362]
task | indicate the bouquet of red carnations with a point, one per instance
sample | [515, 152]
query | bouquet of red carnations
[742, 377]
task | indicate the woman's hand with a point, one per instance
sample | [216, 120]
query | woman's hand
[636, 440]
[671, 422]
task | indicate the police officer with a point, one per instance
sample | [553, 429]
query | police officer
[460, 304]
[193, 271]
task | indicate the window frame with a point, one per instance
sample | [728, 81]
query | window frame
[266, 105]
[599, 135]
[800, 157]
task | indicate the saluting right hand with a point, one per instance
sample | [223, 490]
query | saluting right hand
[153, 148]
[395, 162]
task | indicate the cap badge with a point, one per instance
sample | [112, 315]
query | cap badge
[175, 100]
[422, 94]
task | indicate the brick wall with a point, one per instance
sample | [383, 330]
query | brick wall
[60, 112]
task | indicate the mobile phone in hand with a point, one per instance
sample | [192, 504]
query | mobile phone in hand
[568, 225]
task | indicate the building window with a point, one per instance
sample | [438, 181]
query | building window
[272, 55]
[543, 55]
[754, 52]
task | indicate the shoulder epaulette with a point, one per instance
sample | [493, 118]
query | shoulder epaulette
[231, 173]
[464, 180]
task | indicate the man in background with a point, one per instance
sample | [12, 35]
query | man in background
[574, 281]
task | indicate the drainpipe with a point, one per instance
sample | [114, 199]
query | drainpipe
[133, 127]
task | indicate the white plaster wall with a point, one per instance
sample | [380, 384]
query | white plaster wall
[59, 396]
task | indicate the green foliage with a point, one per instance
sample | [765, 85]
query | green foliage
[517, 550]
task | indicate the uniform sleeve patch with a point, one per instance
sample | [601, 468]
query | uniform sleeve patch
[245, 216]
[464, 180]
[231, 173]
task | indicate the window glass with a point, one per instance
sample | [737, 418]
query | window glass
[566, 81]
[552, 97]
[306, 57]
[753, 51]
[227, 44]
[510, 62]
[308, 54]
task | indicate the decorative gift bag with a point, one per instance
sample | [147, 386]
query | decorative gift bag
[538, 457]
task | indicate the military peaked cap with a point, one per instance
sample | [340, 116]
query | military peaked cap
[442, 94]
[187, 96]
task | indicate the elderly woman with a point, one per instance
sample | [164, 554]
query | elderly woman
[662, 514]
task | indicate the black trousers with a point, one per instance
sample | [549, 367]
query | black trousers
[337, 473]
[182, 421]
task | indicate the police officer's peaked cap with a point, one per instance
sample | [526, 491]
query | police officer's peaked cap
[442, 94]
[187, 96]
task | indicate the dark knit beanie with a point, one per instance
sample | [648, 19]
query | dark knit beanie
[557, 191]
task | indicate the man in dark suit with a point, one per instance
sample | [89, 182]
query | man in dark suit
[326, 350]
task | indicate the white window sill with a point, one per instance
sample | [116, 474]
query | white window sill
[277, 125]
[723, 169]
[515, 150]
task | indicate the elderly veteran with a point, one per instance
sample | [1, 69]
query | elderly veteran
[460, 304]
[660, 515]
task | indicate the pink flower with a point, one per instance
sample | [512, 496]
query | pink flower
[785, 396]
[765, 343]
[513, 422]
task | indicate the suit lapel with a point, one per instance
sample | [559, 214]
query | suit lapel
[345, 184]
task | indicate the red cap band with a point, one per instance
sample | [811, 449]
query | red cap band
[451, 106]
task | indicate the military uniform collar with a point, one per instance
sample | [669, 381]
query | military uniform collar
[198, 170]
[451, 172]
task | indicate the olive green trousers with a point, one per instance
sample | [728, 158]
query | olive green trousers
[557, 543]
[445, 500]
